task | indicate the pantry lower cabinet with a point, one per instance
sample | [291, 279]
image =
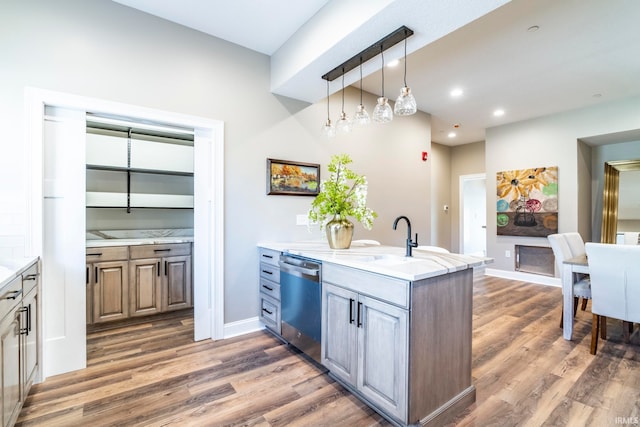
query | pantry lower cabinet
[107, 284]
[150, 279]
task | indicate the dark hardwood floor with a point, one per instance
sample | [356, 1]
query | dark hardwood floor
[526, 374]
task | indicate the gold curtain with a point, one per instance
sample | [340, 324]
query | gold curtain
[610, 204]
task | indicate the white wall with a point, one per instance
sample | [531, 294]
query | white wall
[553, 141]
[100, 49]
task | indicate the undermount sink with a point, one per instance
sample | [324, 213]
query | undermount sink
[389, 259]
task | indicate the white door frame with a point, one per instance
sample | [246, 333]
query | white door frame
[463, 179]
[208, 261]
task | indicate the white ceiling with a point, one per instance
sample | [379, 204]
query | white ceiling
[585, 52]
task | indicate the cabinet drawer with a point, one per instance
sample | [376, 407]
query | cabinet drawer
[30, 278]
[153, 251]
[270, 313]
[111, 253]
[270, 272]
[269, 256]
[10, 296]
[270, 288]
[385, 288]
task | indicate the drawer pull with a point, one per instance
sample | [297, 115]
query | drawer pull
[267, 287]
[267, 256]
[161, 250]
[158, 268]
[98, 254]
[267, 311]
[267, 271]
[30, 277]
[14, 294]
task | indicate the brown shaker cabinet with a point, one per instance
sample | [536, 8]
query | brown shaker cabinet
[140, 280]
[107, 284]
[160, 278]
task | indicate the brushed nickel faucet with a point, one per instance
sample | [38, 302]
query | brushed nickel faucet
[410, 243]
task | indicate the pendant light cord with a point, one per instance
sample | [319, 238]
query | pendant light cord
[382, 54]
[328, 100]
[361, 80]
[342, 91]
[405, 60]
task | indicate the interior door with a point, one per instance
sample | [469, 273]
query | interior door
[63, 272]
[473, 221]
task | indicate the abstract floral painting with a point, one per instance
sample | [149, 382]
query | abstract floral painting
[527, 202]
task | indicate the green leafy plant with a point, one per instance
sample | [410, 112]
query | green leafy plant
[343, 195]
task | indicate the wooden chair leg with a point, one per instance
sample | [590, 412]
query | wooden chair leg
[627, 327]
[584, 304]
[603, 327]
[595, 326]
[575, 305]
[562, 317]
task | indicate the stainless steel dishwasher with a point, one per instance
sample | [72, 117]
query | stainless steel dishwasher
[300, 296]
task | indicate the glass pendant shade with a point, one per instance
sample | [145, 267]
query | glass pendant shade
[361, 117]
[328, 130]
[344, 124]
[406, 103]
[383, 112]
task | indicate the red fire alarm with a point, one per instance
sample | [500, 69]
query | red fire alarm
[425, 156]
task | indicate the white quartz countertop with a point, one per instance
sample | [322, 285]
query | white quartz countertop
[99, 239]
[386, 260]
[10, 268]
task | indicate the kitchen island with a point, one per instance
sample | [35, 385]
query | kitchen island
[396, 330]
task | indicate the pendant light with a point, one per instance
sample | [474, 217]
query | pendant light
[406, 103]
[328, 130]
[383, 112]
[361, 117]
[344, 123]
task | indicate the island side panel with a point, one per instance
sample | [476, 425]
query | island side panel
[440, 343]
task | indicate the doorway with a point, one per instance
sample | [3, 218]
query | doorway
[473, 212]
[57, 201]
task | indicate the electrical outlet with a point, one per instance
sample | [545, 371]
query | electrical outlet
[302, 219]
[507, 254]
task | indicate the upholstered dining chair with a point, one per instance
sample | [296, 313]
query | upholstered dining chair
[615, 286]
[562, 251]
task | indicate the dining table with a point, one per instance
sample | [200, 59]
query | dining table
[578, 264]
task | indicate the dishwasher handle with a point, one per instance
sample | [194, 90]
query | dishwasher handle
[299, 270]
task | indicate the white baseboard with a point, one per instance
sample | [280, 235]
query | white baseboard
[242, 327]
[525, 277]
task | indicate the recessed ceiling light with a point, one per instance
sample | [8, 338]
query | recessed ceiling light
[499, 112]
[452, 135]
[456, 92]
[393, 63]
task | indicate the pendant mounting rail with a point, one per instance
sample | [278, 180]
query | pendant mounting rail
[372, 51]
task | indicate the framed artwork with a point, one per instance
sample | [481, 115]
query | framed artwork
[527, 202]
[293, 178]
